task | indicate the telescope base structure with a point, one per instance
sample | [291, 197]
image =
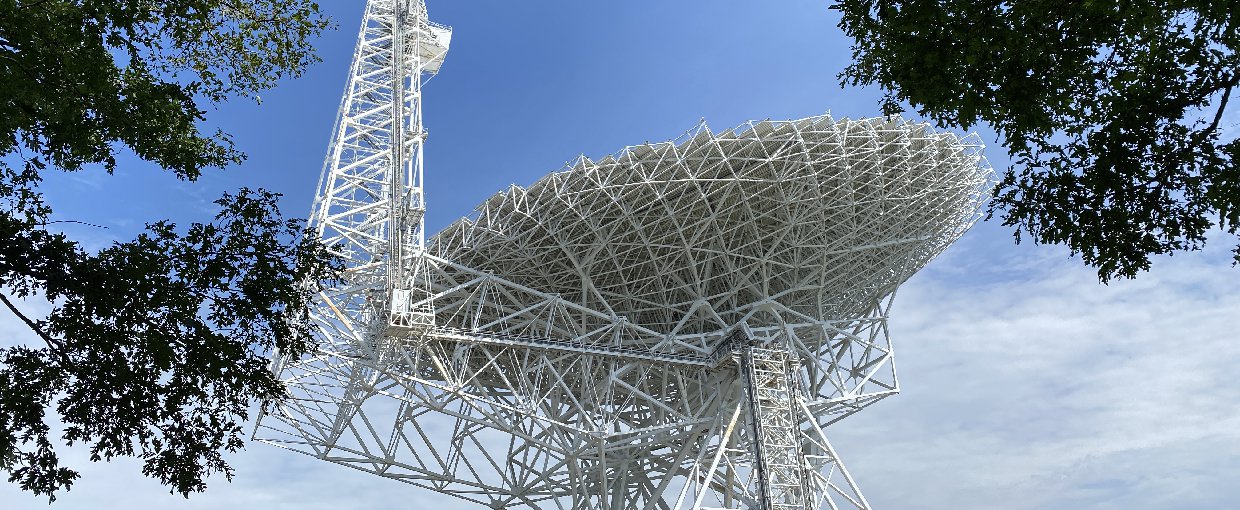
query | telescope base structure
[672, 326]
[512, 419]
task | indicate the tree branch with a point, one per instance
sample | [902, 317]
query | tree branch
[1222, 106]
[53, 345]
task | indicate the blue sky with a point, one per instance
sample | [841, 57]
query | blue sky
[1025, 383]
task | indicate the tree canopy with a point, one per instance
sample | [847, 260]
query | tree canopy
[156, 347]
[1114, 113]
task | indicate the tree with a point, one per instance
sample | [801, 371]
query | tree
[156, 347]
[1114, 113]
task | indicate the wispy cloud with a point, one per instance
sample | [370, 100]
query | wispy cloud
[1052, 391]
[1027, 385]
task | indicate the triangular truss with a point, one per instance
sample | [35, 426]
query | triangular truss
[671, 326]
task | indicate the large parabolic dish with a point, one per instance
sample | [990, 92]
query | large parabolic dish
[673, 326]
[818, 216]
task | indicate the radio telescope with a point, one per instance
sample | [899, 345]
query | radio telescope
[675, 325]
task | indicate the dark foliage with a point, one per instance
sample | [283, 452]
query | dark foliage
[1114, 112]
[155, 348]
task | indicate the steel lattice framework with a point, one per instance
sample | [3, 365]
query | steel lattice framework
[672, 326]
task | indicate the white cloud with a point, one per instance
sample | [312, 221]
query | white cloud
[1027, 385]
[1044, 389]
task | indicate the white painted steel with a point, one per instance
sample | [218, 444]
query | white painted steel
[671, 326]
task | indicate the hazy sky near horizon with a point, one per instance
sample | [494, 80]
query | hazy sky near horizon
[1025, 383]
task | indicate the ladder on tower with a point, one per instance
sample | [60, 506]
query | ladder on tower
[779, 463]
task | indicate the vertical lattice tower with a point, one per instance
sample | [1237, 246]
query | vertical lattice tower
[370, 201]
[370, 204]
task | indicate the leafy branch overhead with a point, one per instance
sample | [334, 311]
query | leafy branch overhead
[1115, 114]
[82, 77]
[156, 347]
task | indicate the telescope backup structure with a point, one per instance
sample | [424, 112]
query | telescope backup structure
[672, 326]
